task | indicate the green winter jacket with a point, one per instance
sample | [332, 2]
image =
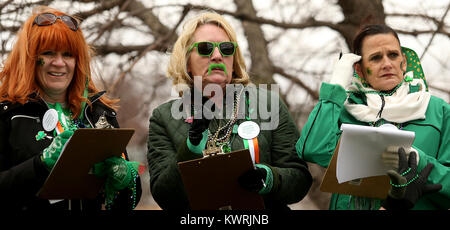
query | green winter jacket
[432, 140]
[167, 135]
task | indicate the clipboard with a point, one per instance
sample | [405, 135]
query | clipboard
[70, 177]
[371, 187]
[211, 183]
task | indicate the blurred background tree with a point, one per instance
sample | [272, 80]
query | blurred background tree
[293, 43]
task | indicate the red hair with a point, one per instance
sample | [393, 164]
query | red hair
[19, 78]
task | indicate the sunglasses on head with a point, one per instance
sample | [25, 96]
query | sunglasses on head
[207, 48]
[47, 19]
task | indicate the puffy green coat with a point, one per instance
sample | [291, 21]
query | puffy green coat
[432, 140]
[168, 135]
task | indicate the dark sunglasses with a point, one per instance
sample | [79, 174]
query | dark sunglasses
[207, 48]
[47, 19]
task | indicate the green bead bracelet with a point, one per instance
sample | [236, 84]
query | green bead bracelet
[406, 184]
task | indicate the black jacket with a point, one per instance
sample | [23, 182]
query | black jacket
[22, 173]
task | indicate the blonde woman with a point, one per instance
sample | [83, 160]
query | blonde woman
[216, 101]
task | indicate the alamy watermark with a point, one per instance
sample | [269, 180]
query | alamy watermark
[211, 102]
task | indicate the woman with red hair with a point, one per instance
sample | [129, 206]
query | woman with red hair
[47, 76]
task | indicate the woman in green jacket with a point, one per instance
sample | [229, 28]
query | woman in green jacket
[213, 75]
[388, 87]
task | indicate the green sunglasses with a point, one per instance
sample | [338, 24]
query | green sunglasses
[207, 48]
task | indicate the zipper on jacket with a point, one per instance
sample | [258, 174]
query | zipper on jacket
[85, 109]
[382, 106]
[25, 116]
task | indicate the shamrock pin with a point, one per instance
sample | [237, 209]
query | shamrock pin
[40, 135]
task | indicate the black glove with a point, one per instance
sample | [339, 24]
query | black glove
[198, 126]
[403, 195]
[253, 179]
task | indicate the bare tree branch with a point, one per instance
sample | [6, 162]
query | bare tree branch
[149, 48]
[148, 18]
[297, 81]
[411, 15]
[103, 6]
[261, 71]
[434, 33]
[116, 19]
[419, 32]
[5, 4]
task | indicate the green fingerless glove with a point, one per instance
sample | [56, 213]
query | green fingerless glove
[51, 154]
[119, 174]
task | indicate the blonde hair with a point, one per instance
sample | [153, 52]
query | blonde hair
[177, 69]
[18, 77]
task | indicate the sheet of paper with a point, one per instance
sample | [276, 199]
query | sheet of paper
[361, 148]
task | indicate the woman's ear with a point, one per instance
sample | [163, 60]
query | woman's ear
[358, 69]
[404, 63]
[188, 67]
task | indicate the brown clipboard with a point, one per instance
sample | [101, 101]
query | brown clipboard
[211, 183]
[70, 177]
[372, 187]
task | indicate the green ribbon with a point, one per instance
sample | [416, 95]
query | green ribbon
[64, 116]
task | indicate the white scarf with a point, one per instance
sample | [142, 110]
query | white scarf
[400, 107]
